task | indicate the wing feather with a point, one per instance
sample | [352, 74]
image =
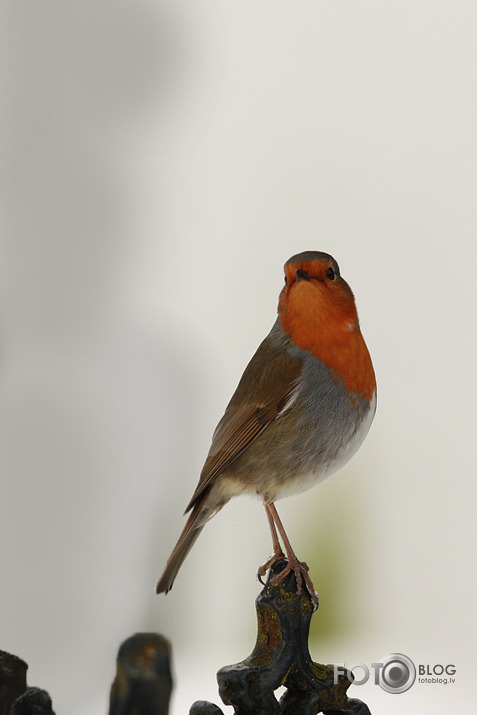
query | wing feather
[263, 393]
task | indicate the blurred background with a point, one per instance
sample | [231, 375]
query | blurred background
[160, 162]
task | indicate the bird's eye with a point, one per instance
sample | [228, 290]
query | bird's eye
[330, 274]
[285, 280]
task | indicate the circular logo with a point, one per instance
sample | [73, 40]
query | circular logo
[397, 674]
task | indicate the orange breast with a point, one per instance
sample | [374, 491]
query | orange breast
[326, 325]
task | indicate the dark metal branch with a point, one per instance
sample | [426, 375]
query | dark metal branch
[281, 658]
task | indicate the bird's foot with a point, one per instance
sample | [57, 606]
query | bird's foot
[277, 556]
[300, 569]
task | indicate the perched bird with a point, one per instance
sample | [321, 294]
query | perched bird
[301, 410]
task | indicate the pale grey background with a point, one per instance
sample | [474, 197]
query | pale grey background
[161, 160]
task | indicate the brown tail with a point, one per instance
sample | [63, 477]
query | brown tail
[198, 518]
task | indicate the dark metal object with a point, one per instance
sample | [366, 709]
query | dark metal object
[143, 682]
[281, 657]
[15, 697]
[12, 680]
[33, 702]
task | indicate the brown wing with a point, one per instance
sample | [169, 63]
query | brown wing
[261, 395]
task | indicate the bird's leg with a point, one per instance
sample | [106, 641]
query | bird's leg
[299, 568]
[278, 554]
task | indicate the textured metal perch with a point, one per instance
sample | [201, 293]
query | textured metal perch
[281, 658]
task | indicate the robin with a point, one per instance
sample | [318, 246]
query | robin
[301, 410]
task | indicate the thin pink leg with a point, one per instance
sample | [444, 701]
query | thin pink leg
[299, 568]
[278, 554]
[277, 549]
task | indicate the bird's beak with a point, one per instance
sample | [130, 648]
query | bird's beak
[301, 275]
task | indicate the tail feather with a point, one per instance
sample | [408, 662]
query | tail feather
[194, 525]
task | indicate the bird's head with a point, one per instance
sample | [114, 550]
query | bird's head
[315, 297]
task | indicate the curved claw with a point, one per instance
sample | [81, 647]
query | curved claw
[300, 569]
[262, 570]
